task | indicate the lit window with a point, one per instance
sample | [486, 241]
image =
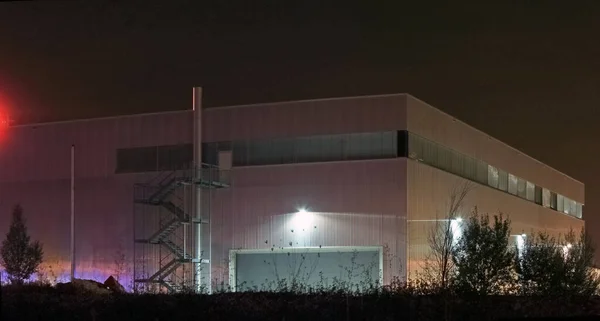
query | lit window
[512, 184]
[521, 188]
[561, 203]
[546, 197]
[530, 192]
[492, 176]
[502, 180]
[570, 206]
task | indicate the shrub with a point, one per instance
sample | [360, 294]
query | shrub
[20, 257]
[483, 258]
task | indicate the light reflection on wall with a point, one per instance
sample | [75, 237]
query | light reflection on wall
[59, 272]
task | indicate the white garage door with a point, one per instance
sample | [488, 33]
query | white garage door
[272, 269]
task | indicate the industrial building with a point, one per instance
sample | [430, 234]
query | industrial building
[311, 192]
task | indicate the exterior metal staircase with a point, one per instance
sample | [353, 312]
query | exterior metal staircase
[161, 193]
[164, 232]
[178, 251]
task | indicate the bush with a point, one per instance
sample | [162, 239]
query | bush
[483, 258]
[551, 266]
[47, 303]
[20, 257]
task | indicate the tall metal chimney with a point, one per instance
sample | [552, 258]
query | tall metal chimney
[197, 203]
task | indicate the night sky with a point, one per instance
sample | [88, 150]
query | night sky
[528, 74]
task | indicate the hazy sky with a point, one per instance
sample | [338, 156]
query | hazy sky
[527, 74]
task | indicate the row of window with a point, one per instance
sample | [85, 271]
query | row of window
[449, 160]
[154, 158]
[324, 148]
[321, 148]
[165, 158]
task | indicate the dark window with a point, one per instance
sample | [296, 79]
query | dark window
[259, 152]
[370, 146]
[155, 158]
[470, 168]
[133, 160]
[210, 153]
[457, 163]
[553, 201]
[282, 151]
[444, 160]
[322, 148]
[175, 157]
[402, 149]
[538, 195]
[240, 153]
[482, 172]
[312, 149]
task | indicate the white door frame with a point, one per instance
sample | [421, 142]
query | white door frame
[310, 249]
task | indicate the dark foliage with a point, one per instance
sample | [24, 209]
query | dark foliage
[554, 266]
[26, 303]
[19, 256]
[482, 257]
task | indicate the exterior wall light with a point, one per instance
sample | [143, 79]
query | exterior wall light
[566, 249]
[521, 244]
[455, 227]
[302, 219]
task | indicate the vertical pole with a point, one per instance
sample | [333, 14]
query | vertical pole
[197, 204]
[72, 212]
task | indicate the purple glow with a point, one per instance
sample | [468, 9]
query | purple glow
[126, 280]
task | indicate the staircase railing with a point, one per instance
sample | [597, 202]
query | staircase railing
[160, 191]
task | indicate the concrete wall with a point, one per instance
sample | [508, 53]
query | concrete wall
[35, 172]
[429, 190]
[359, 203]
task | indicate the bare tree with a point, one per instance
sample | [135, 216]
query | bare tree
[120, 263]
[438, 268]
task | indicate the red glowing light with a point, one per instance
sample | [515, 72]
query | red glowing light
[4, 120]
[5, 106]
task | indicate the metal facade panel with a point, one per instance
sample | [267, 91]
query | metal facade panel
[35, 172]
[429, 190]
[433, 124]
[103, 223]
[304, 118]
[42, 152]
[358, 203]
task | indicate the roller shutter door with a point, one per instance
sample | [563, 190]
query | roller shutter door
[358, 267]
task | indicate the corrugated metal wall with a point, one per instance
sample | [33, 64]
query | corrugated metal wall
[429, 190]
[35, 172]
[435, 125]
[305, 118]
[358, 203]
[355, 202]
